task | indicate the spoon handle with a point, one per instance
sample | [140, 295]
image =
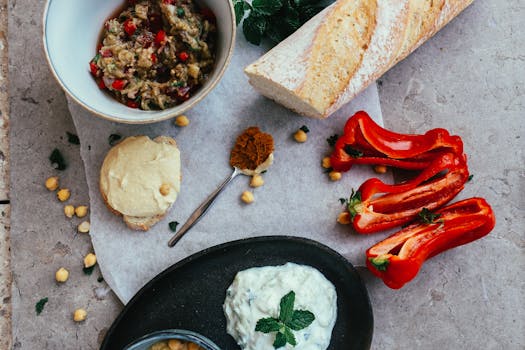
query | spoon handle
[202, 209]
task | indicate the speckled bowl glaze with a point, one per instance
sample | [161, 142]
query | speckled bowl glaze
[71, 31]
[145, 342]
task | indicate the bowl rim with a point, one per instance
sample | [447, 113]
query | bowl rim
[173, 333]
[201, 93]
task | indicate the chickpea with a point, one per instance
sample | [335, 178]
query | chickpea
[175, 344]
[335, 175]
[63, 194]
[79, 315]
[81, 211]
[344, 218]
[84, 227]
[182, 121]
[164, 189]
[326, 163]
[61, 275]
[380, 169]
[300, 136]
[69, 211]
[52, 183]
[193, 346]
[90, 260]
[257, 181]
[247, 197]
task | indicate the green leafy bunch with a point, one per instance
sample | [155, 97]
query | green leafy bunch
[289, 320]
[274, 19]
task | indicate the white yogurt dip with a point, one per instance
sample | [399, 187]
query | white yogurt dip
[256, 293]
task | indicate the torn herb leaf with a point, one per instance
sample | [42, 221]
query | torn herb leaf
[39, 306]
[72, 138]
[57, 160]
[173, 226]
[332, 140]
[305, 129]
[88, 270]
[113, 139]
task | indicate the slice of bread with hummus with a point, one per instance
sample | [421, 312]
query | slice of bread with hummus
[140, 179]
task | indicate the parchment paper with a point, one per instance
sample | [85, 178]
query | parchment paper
[297, 199]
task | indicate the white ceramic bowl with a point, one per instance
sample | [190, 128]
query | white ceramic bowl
[71, 33]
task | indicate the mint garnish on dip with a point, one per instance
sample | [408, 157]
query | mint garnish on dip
[289, 320]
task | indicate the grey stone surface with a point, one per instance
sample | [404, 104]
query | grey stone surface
[470, 79]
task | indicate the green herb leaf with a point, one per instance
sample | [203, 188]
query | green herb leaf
[267, 7]
[301, 319]
[290, 338]
[88, 270]
[173, 226]
[352, 152]
[428, 217]
[307, 12]
[343, 200]
[286, 307]
[280, 340]
[254, 27]
[238, 6]
[470, 177]
[39, 306]
[72, 138]
[57, 160]
[305, 129]
[267, 325]
[332, 140]
[113, 139]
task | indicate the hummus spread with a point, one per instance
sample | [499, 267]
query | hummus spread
[141, 177]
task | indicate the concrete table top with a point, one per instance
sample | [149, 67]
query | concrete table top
[469, 78]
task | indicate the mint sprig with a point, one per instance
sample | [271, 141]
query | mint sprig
[274, 19]
[289, 320]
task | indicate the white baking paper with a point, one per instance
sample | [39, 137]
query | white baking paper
[297, 198]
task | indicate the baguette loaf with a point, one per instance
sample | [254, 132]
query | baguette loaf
[343, 49]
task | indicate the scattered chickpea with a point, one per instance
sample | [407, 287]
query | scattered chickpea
[69, 211]
[344, 218]
[81, 211]
[335, 175]
[84, 227]
[182, 121]
[175, 344]
[63, 194]
[326, 163]
[164, 189]
[79, 315]
[247, 197]
[380, 169]
[300, 136]
[257, 181]
[90, 260]
[61, 275]
[52, 183]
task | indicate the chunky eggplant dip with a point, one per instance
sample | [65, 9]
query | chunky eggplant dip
[156, 53]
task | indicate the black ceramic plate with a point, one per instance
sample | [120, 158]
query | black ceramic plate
[189, 295]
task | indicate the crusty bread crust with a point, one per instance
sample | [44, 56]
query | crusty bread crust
[313, 72]
[135, 222]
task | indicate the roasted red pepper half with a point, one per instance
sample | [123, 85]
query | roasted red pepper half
[365, 142]
[398, 258]
[399, 204]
